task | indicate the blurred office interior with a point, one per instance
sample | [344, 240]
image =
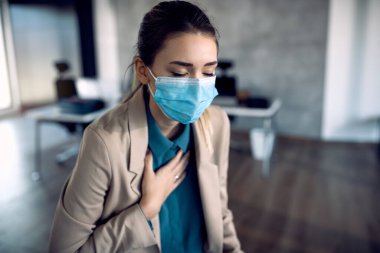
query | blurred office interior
[304, 174]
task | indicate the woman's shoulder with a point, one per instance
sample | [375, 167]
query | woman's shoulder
[217, 115]
[113, 121]
[117, 119]
[215, 122]
[110, 117]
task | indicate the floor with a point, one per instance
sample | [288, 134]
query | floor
[320, 197]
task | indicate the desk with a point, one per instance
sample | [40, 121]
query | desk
[232, 109]
[53, 114]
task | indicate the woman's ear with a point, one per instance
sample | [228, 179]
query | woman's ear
[141, 71]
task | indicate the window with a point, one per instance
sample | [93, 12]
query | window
[5, 89]
[7, 85]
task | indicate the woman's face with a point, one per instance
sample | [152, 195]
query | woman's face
[185, 55]
[189, 55]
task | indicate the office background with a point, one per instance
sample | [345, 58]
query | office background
[319, 57]
[280, 49]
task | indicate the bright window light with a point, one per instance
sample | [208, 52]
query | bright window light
[5, 91]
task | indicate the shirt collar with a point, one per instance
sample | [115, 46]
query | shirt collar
[158, 143]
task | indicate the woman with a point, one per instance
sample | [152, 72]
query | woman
[151, 174]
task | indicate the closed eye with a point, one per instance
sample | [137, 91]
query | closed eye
[175, 74]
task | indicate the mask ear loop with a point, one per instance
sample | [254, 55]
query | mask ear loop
[150, 89]
[151, 92]
[155, 78]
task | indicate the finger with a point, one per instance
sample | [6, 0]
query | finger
[174, 161]
[183, 162]
[179, 175]
[148, 169]
[187, 155]
[181, 166]
[179, 181]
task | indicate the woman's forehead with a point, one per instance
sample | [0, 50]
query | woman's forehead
[195, 48]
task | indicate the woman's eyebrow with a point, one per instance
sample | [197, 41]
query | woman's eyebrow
[181, 63]
[187, 64]
[211, 63]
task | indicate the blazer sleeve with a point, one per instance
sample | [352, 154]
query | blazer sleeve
[230, 240]
[80, 207]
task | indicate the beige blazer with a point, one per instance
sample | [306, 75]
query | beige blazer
[98, 210]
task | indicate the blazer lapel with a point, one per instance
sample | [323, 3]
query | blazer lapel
[138, 131]
[208, 178]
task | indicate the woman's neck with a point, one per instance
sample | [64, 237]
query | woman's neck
[170, 128]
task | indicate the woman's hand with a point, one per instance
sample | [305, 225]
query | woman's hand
[157, 186]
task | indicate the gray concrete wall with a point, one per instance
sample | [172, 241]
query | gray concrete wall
[278, 47]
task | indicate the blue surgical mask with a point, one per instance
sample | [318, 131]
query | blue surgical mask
[184, 99]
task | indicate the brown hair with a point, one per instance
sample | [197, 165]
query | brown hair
[164, 20]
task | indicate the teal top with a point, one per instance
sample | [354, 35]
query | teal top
[181, 216]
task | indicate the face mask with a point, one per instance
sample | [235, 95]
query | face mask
[184, 99]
